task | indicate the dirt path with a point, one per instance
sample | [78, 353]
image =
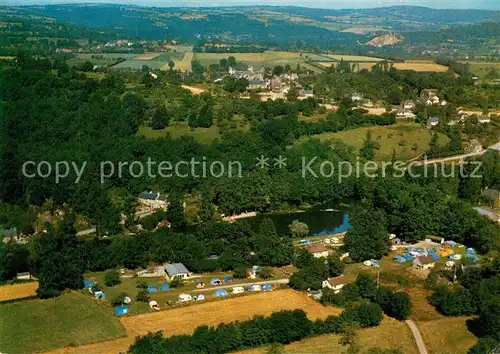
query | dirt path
[417, 336]
[184, 320]
[194, 90]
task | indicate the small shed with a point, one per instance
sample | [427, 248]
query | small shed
[436, 239]
[164, 287]
[220, 292]
[424, 262]
[215, 281]
[152, 289]
[120, 310]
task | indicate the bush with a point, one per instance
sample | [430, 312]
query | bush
[370, 315]
[118, 299]
[266, 273]
[240, 273]
[400, 306]
[142, 296]
[141, 284]
[176, 282]
[456, 302]
[112, 278]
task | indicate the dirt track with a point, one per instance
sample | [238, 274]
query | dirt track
[185, 320]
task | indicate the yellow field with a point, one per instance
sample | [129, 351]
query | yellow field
[17, 291]
[420, 66]
[389, 334]
[4, 57]
[353, 58]
[185, 63]
[147, 56]
[185, 320]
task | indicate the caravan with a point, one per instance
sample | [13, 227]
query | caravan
[238, 290]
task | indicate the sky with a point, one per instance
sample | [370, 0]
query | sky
[333, 4]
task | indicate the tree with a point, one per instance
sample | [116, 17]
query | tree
[56, 261]
[142, 296]
[370, 315]
[175, 211]
[350, 337]
[457, 302]
[171, 65]
[118, 299]
[489, 319]
[231, 61]
[240, 273]
[298, 229]
[160, 118]
[335, 267]
[368, 238]
[271, 249]
[205, 117]
[278, 70]
[367, 286]
[276, 349]
[266, 273]
[112, 278]
[367, 151]
[400, 306]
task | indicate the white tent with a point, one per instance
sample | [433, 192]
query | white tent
[154, 305]
[185, 298]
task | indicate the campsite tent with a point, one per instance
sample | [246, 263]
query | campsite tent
[228, 279]
[87, 284]
[471, 250]
[400, 259]
[185, 298]
[154, 305]
[375, 263]
[267, 287]
[127, 300]
[238, 290]
[99, 295]
[200, 284]
[164, 287]
[200, 297]
[471, 256]
[254, 288]
[220, 292]
[152, 289]
[120, 310]
[215, 281]
[451, 243]
[455, 257]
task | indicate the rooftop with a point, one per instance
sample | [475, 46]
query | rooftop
[173, 269]
[337, 280]
[316, 249]
[425, 259]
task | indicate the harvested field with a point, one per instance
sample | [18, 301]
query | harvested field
[389, 334]
[419, 66]
[185, 320]
[185, 63]
[18, 291]
[447, 335]
[147, 56]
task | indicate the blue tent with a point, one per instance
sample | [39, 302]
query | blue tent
[408, 256]
[471, 250]
[87, 284]
[220, 292]
[152, 289]
[375, 263]
[120, 310]
[164, 287]
[452, 244]
[228, 279]
[400, 259]
[267, 287]
[434, 255]
[471, 256]
[215, 281]
[305, 242]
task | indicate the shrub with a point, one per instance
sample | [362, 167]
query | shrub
[240, 273]
[370, 315]
[112, 278]
[141, 284]
[266, 273]
[142, 296]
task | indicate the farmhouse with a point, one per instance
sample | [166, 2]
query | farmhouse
[153, 200]
[318, 251]
[305, 94]
[336, 284]
[257, 85]
[424, 262]
[432, 122]
[276, 85]
[176, 270]
[356, 97]
[405, 114]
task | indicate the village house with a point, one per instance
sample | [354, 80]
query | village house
[276, 85]
[405, 114]
[356, 97]
[483, 119]
[153, 200]
[408, 105]
[432, 122]
[336, 284]
[257, 85]
[424, 262]
[175, 270]
[318, 251]
[305, 94]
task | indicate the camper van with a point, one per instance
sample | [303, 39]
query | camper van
[185, 298]
[238, 290]
[254, 288]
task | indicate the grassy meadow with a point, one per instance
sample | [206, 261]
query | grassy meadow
[70, 320]
[409, 140]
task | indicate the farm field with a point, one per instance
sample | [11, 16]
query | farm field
[184, 320]
[389, 334]
[422, 66]
[268, 58]
[156, 61]
[408, 139]
[354, 58]
[101, 59]
[70, 320]
[482, 69]
[18, 291]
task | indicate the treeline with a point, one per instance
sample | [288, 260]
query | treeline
[282, 327]
[200, 48]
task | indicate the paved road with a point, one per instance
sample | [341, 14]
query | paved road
[418, 337]
[212, 288]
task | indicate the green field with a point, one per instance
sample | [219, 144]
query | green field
[482, 69]
[408, 139]
[71, 320]
[155, 63]
[101, 59]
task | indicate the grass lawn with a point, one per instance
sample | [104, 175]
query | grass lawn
[408, 139]
[39, 325]
[389, 334]
[482, 69]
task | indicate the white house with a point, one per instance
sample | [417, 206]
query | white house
[175, 270]
[305, 94]
[483, 119]
[238, 290]
[407, 105]
[432, 122]
[336, 284]
[356, 97]
[318, 251]
[424, 262]
[153, 200]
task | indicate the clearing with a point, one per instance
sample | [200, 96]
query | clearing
[147, 56]
[18, 291]
[70, 320]
[185, 320]
[409, 140]
[203, 135]
[389, 334]
[193, 90]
